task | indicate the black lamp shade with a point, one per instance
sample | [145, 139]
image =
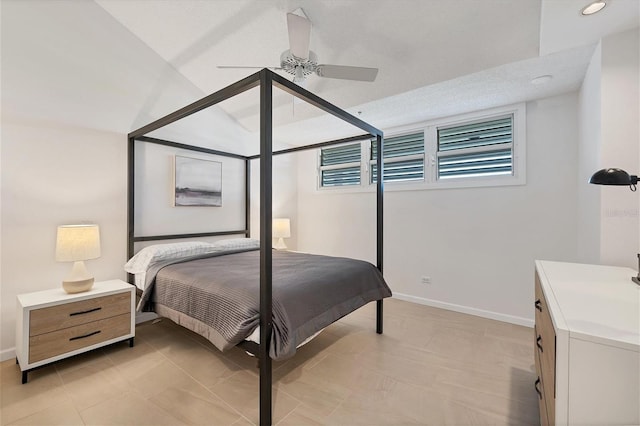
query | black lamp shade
[613, 177]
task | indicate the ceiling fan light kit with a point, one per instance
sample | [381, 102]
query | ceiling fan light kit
[299, 68]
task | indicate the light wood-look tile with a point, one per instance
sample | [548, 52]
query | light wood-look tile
[59, 415]
[431, 366]
[44, 391]
[91, 384]
[195, 408]
[128, 409]
[240, 392]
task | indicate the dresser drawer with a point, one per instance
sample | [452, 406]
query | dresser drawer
[69, 339]
[539, 386]
[67, 315]
[544, 415]
[545, 391]
[546, 337]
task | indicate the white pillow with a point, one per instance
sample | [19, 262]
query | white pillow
[151, 255]
[156, 253]
[236, 244]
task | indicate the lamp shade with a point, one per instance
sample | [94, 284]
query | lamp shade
[281, 228]
[610, 177]
[77, 242]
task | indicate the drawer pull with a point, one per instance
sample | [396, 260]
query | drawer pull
[536, 386]
[538, 305]
[84, 312]
[538, 343]
[86, 335]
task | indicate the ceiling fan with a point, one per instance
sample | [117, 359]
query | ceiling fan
[301, 62]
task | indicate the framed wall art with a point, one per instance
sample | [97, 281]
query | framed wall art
[197, 182]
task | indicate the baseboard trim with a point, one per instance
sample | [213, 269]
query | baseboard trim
[466, 310]
[7, 354]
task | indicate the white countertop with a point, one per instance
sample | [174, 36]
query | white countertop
[593, 302]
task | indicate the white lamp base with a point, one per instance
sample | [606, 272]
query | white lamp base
[280, 245]
[79, 279]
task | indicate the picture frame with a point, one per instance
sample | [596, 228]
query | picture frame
[197, 182]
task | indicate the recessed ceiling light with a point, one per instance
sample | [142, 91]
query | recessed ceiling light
[541, 79]
[593, 7]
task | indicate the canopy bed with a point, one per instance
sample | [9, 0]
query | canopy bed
[267, 265]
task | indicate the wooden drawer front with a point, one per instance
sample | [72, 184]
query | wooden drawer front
[544, 415]
[69, 339]
[545, 394]
[67, 315]
[545, 344]
[546, 335]
[540, 303]
[539, 386]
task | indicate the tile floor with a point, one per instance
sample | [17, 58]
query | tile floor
[430, 367]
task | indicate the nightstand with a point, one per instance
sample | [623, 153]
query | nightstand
[52, 325]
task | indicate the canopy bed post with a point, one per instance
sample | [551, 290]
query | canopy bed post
[266, 155]
[247, 197]
[130, 198]
[379, 224]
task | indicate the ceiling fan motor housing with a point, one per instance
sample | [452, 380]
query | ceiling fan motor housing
[299, 68]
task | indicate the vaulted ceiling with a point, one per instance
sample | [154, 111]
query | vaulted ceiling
[435, 57]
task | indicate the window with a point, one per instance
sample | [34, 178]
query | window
[403, 158]
[482, 148]
[340, 165]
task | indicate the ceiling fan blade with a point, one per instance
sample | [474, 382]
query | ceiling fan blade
[223, 67]
[299, 35]
[347, 73]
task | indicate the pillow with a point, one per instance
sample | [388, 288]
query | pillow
[156, 253]
[236, 244]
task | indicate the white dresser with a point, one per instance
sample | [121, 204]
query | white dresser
[587, 343]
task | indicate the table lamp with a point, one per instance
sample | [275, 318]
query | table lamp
[77, 243]
[281, 229]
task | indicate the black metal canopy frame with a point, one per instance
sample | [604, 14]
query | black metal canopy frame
[266, 79]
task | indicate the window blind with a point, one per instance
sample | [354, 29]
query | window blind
[403, 158]
[340, 155]
[340, 165]
[476, 149]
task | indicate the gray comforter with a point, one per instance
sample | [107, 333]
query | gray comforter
[218, 296]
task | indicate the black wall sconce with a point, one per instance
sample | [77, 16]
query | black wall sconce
[614, 177]
[617, 177]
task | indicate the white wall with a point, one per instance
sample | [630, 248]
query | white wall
[478, 245]
[284, 195]
[608, 216]
[620, 146]
[155, 213]
[589, 141]
[54, 175]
